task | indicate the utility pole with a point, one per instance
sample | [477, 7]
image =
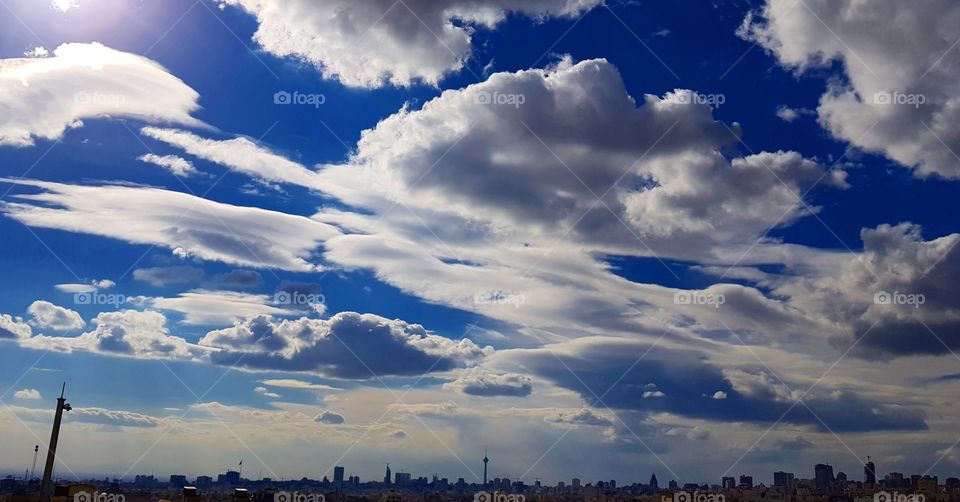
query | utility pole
[45, 486]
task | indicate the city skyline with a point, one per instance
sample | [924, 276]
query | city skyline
[604, 239]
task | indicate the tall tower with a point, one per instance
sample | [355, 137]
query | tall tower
[52, 450]
[485, 461]
[870, 472]
[386, 479]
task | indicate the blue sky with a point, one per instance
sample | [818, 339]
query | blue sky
[482, 233]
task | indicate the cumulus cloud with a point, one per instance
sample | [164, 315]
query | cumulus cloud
[348, 345]
[49, 316]
[370, 44]
[189, 226]
[658, 165]
[14, 328]
[900, 94]
[28, 394]
[579, 417]
[330, 418]
[42, 97]
[493, 384]
[176, 165]
[128, 333]
[897, 296]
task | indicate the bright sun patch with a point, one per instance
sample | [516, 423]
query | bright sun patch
[64, 5]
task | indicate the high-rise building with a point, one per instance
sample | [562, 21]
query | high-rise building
[576, 483]
[783, 480]
[386, 478]
[823, 476]
[654, 486]
[728, 482]
[402, 478]
[870, 472]
[746, 482]
[338, 476]
[178, 480]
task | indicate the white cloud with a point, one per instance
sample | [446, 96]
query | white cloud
[128, 333]
[190, 226]
[788, 114]
[910, 61]
[719, 395]
[48, 315]
[266, 393]
[90, 287]
[372, 43]
[493, 384]
[203, 307]
[348, 345]
[27, 394]
[44, 96]
[288, 383]
[176, 165]
[239, 154]
[659, 164]
[14, 328]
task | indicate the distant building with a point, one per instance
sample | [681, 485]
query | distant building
[783, 480]
[387, 478]
[672, 485]
[178, 480]
[746, 482]
[928, 484]
[654, 486]
[402, 478]
[576, 483]
[338, 477]
[203, 481]
[823, 476]
[728, 482]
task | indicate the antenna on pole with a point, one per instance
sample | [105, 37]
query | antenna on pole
[33, 470]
